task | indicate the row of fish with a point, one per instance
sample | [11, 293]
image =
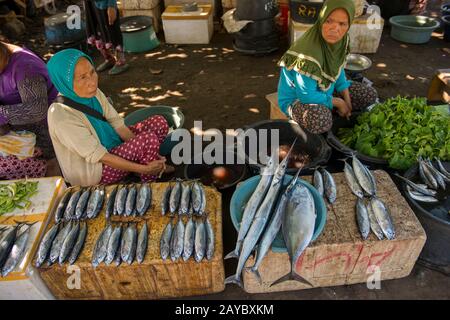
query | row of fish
[13, 244]
[120, 244]
[62, 243]
[85, 203]
[129, 200]
[291, 209]
[184, 198]
[359, 178]
[182, 241]
[324, 183]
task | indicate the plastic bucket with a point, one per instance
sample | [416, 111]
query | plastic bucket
[412, 29]
[256, 10]
[138, 34]
[57, 32]
[305, 11]
[446, 27]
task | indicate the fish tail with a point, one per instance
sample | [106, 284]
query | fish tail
[234, 279]
[294, 277]
[232, 254]
[255, 271]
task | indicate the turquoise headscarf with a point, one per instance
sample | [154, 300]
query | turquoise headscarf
[61, 68]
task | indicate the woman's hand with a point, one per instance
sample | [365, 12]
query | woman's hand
[342, 108]
[155, 168]
[112, 15]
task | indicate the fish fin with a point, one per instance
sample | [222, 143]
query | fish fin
[292, 276]
[234, 279]
[255, 272]
[232, 254]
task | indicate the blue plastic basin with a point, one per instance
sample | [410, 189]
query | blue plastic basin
[412, 29]
[245, 190]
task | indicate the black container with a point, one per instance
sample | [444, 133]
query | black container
[258, 29]
[335, 143]
[445, 9]
[390, 8]
[315, 145]
[256, 46]
[446, 27]
[436, 222]
[305, 11]
[256, 9]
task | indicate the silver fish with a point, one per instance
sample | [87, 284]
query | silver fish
[363, 176]
[118, 257]
[274, 226]
[200, 241]
[69, 243]
[210, 239]
[78, 244]
[440, 178]
[144, 199]
[130, 202]
[17, 252]
[128, 247]
[383, 217]
[374, 226]
[298, 229]
[415, 186]
[59, 213]
[185, 198]
[175, 197]
[362, 217]
[110, 203]
[260, 219]
[372, 179]
[189, 239]
[352, 181]
[203, 197]
[165, 200]
[45, 245]
[329, 186]
[95, 202]
[164, 246]
[253, 204]
[7, 242]
[142, 243]
[69, 213]
[58, 242]
[99, 253]
[82, 203]
[434, 192]
[121, 198]
[442, 168]
[113, 244]
[196, 197]
[430, 179]
[318, 182]
[419, 196]
[423, 176]
[177, 241]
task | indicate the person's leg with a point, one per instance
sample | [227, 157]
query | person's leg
[362, 95]
[115, 35]
[314, 118]
[12, 168]
[156, 124]
[141, 149]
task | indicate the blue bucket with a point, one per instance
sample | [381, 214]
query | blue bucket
[245, 190]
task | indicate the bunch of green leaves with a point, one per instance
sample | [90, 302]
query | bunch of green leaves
[400, 130]
[16, 195]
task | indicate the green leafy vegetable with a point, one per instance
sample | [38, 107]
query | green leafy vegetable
[16, 195]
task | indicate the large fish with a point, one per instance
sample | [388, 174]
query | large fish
[165, 200]
[298, 229]
[363, 176]
[69, 213]
[144, 199]
[274, 226]
[69, 243]
[142, 243]
[189, 239]
[78, 244]
[80, 209]
[253, 204]
[177, 241]
[260, 219]
[362, 217]
[318, 182]
[352, 181]
[45, 245]
[200, 241]
[175, 197]
[383, 217]
[130, 203]
[329, 186]
[164, 246]
[121, 198]
[99, 253]
[59, 213]
[17, 252]
[113, 244]
[58, 242]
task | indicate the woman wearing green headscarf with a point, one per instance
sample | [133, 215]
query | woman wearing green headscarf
[313, 70]
[90, 149]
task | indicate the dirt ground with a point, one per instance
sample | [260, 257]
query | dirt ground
[225, 89]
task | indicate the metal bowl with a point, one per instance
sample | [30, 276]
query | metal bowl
[357, 62]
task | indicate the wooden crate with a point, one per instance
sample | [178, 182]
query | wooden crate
[154, 278]
[339, 256]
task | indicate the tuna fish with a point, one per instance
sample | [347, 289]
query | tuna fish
[7, 242]
[442, 168]
[95, 202]
[175, 197]
[58, 242]
[45, 245]
[130, 203]
[59, 214]
[185, 199]
[329, 186]
[17, 252]
[427, 175]
[69, 213]
[69, 243]
[128, 247]
[419, 196]
[80, 209]
[189, 239]
[318, 182]
[110, 203]
[164, 246]
[177, 241]
[113, 244]
[144, 199]
[383, 217]
[363, 176]
[352, 181]
[196, 197]
[374, 226]
[203, 197]
[415, 186]
[362, 217]
[210, 239]
[78, 244]
[440, 178]
[99, 253]
[121, 198]
[142, 243]
[165, 200]
[200, 241]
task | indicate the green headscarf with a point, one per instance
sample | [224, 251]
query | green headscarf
[312, 56]
[61, 68]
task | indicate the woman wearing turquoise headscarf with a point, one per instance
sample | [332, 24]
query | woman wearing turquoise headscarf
[313, 71]
[91, 150]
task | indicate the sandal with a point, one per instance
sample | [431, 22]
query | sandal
[118, 69]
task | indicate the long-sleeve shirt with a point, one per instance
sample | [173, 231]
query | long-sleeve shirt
[103, 4]
[294, 86]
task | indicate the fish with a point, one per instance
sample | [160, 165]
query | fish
[144, 199]
[372, 179]
[113, 244]
[165, 200]
[442, 168]
[82, 203]
[434, 192]
[419, 196]
[362, 218]
[210, 239]
[352, 181]
[298, 228]
[95, 202]
[142, 243]
[78, 244]
[59, 213]
[110, 203]
[253, 204]
[196, 197]
[177, 241]
[175, 197]
[189, 239]
[118, 257]
[274, 227]
[69, 213]
[318, 182]
[374, 226]
[203, 197]
[200, 241]
[185, 199]
[363, 176]
[130, 202]
[58, 242]
[128, 246]
[440, 178]
[329, 186]
[383, 217]
[164, 246]
[427, 176]
[121, 197]
[99, 252]
[45, 245]
[7, 242]
[17, 252]
[68, 243]
[415, 186]
[260, 219]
